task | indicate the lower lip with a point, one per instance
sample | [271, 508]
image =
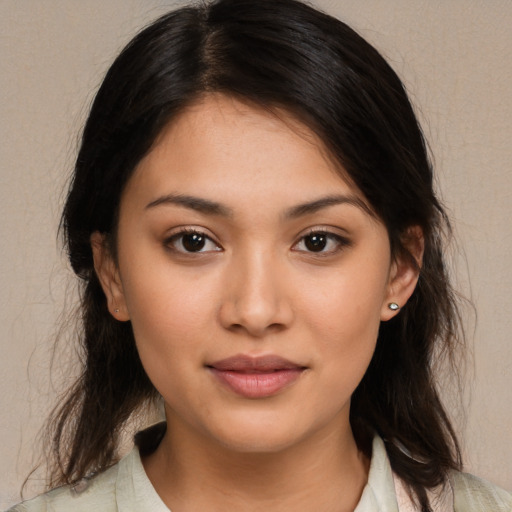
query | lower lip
[257, 385]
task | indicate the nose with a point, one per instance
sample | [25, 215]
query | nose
[256, 299]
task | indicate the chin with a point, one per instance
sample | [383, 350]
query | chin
[257, 443]
[264, 434]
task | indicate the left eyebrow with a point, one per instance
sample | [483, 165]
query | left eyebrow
[324, 202]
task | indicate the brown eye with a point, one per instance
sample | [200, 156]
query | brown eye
[316, 242]
[322, 243]
[191, 242]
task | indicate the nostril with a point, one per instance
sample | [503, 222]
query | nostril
[255, 331]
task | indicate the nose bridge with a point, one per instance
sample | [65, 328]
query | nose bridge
[257, 298]
[259, 269]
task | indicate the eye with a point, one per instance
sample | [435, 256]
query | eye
[191, 241]
[321, 242]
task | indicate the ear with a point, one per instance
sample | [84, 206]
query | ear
[108, 275]
[404, 272]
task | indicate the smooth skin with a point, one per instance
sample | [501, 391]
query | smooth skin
[238, 235]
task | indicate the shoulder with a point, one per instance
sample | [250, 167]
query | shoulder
[475, 494]
[124, 486]
[96, 493]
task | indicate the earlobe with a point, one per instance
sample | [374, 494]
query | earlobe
[108, 275]
[404, 273]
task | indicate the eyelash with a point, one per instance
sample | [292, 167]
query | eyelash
[340, 241]
[173, 239]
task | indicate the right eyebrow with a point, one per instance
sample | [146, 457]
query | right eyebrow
[198, 204]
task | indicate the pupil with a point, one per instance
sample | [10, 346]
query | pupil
[316, 242]
[193, 242]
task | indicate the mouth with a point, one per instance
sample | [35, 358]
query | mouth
[256, 377]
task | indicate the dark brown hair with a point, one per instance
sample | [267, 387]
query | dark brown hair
[278, 54]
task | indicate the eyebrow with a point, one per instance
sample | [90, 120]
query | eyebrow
[193, 203]
[324, 202]
[209, 207]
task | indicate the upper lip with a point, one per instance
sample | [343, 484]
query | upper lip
[245, 363]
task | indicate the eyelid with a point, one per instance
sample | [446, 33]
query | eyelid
[181, 231]
[343, 240]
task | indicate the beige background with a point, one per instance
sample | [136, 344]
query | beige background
[455, 56]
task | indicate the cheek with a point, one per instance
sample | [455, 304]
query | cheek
[171, 316]
[343, 311]
[346, 303]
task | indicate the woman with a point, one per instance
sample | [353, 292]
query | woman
[253, 219]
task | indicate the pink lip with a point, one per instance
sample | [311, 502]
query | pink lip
[256, 377]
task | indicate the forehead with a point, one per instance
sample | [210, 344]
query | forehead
[222, 148]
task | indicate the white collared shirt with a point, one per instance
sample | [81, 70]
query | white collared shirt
[125, 487]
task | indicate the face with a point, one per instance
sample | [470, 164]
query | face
[254, 276]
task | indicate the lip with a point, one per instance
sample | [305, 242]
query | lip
[256, 377]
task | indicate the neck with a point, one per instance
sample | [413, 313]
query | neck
[325, 472]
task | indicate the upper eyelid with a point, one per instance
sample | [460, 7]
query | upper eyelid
[184, 230]
[327, 230]
[336, 236]
[343, 241]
